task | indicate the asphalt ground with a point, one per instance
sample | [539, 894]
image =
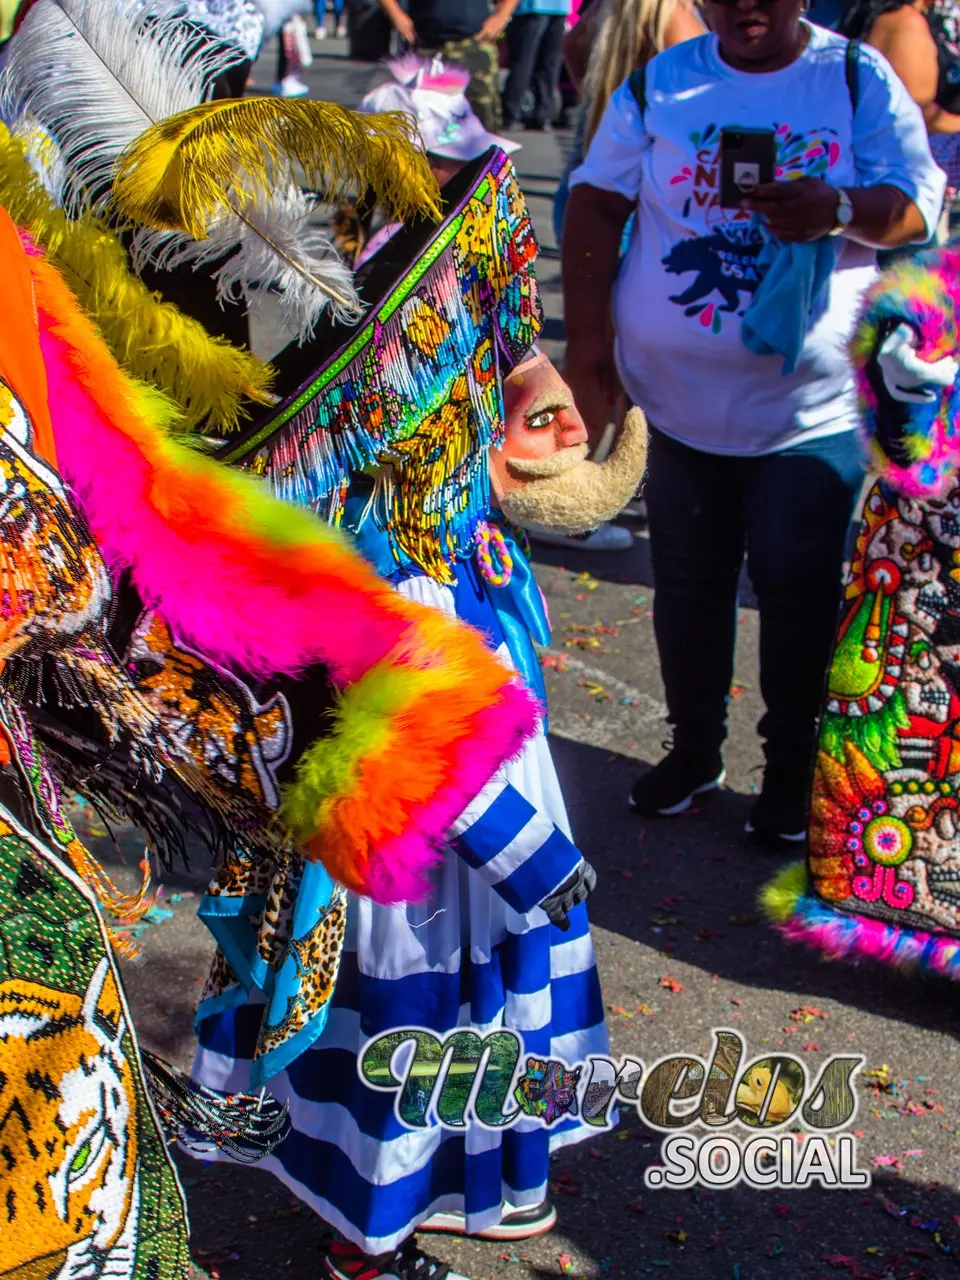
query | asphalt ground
[681, 948]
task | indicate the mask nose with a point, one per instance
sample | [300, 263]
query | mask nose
[570, 429]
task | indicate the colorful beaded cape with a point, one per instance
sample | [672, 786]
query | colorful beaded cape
[86, 1182]
[883, 873]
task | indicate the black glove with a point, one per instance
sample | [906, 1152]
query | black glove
[574, 890]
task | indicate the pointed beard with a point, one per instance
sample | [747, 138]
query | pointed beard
[582, 496]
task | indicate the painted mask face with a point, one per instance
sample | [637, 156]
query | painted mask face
[541, 423]
[541, 477]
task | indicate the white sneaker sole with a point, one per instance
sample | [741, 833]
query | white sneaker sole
[454, 1224]
[683, 805]
[794, 837]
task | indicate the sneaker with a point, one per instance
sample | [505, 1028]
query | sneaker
[516, 1224]
[320, 33]
[609, 537]
[670, 786]
[342, 31]
[345, 1261]
[779, 816]
[291, 87]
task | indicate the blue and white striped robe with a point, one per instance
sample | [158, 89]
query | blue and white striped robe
[479, 953]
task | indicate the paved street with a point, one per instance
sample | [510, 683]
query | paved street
[675, 901]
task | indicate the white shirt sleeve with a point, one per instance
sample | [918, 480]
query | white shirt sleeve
[614, 159]
[890, 143]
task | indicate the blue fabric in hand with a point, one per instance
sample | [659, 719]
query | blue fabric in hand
[779, 315]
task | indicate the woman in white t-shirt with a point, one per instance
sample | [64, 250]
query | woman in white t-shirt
[744, 458]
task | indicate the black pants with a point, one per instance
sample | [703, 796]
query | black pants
[789, 512]
[534, 41]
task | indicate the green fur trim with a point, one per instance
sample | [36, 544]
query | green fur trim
[362, 727]
[779, 897]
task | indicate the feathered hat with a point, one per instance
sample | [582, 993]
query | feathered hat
[435, 96]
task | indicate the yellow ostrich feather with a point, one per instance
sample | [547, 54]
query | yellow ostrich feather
[206, 376]
[217, 158]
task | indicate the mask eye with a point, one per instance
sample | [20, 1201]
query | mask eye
[540, 421]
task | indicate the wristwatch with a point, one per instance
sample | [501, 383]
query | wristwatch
[844, 213]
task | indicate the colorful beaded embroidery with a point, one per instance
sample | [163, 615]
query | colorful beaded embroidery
[490, 539]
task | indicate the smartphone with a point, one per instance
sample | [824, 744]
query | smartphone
[747, 160]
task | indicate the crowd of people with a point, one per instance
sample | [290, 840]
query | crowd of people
[312, 644]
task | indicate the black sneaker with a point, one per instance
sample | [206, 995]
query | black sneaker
[346, 1261]
[516, 1224]
[670, 786]
[779, 817]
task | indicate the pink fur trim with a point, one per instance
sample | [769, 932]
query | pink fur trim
[209, 594]
[850, 937]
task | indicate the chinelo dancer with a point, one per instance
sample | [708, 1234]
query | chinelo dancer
[165, 654]
[402, 431]
[442, 428]
[151, 541]
[883, 869]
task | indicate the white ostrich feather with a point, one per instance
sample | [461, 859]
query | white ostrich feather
[93, 75]
[275, 249]
[96, 73]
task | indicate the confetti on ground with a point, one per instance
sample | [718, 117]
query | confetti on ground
[880, 1077]
[647, 1009]
[568, 1267]
[588, 643]
[806, 1013]
[554, 662]
[566, 1183]
[676, 1235]
[595, 690]
[587, 580]
[886, 1162]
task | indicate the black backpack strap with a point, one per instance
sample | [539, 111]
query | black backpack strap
[638, 87]
[853, 73]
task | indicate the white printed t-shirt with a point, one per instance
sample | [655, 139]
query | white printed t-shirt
[691, 271]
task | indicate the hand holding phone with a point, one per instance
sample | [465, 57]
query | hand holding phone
[796, 212]
[747, 161]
